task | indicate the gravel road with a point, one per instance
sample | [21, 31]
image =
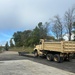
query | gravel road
[12, 64]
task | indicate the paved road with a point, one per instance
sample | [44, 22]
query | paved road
[13, 64]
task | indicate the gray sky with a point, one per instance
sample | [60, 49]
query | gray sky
[19, 15]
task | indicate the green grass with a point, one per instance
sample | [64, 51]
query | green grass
[1, 49]
[22, 49]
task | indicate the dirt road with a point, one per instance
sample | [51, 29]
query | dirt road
[13, 64]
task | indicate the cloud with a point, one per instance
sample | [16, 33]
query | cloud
[67, 35]
[4, 38]
[24, 14]
[17, 15]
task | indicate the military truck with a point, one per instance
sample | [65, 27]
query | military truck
[55, 51]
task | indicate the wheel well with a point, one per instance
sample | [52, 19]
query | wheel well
[35, 50]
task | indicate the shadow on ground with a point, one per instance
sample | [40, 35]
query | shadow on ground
[67, 66]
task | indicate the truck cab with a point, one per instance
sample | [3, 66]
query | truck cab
[38, 48]
[57, 51]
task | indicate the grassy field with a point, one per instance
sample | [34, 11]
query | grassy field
[1, 49]
[22, 49]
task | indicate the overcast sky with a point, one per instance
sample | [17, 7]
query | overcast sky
[20, 15]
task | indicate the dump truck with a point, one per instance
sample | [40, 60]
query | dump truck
[55, 51]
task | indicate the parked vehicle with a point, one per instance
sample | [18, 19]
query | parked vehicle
[56, 51]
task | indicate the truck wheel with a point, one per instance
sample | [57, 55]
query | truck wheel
[35, 54]
[57, 58]
[69, 58]
[73, 56]
[49, 57]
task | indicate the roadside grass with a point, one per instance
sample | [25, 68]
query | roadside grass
[1, 49]
[22, 49]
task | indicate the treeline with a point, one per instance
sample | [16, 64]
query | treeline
[57, 27]
[32, 37]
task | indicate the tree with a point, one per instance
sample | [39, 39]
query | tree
[6, 46]
[43, 30]
[11, 43]
[17, 39]
[60, 27]
[29, 38]
[20, 38]
[74, 30]
[26, 36]
[57, 28]
[39, 32]
[69, 19]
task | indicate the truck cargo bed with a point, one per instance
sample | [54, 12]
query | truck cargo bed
[64, 46]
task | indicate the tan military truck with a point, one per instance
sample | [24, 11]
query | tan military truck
[56, 51]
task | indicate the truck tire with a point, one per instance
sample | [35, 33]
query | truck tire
[58, 59]
[35, 54]
[49, 57]
[73, 56]
[69, 58]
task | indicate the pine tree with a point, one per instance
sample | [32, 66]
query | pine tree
[6, 46]
[11, 43]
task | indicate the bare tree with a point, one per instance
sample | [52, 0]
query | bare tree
[69, 19]
[55, 30]
[73, 31]
[57, 27]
